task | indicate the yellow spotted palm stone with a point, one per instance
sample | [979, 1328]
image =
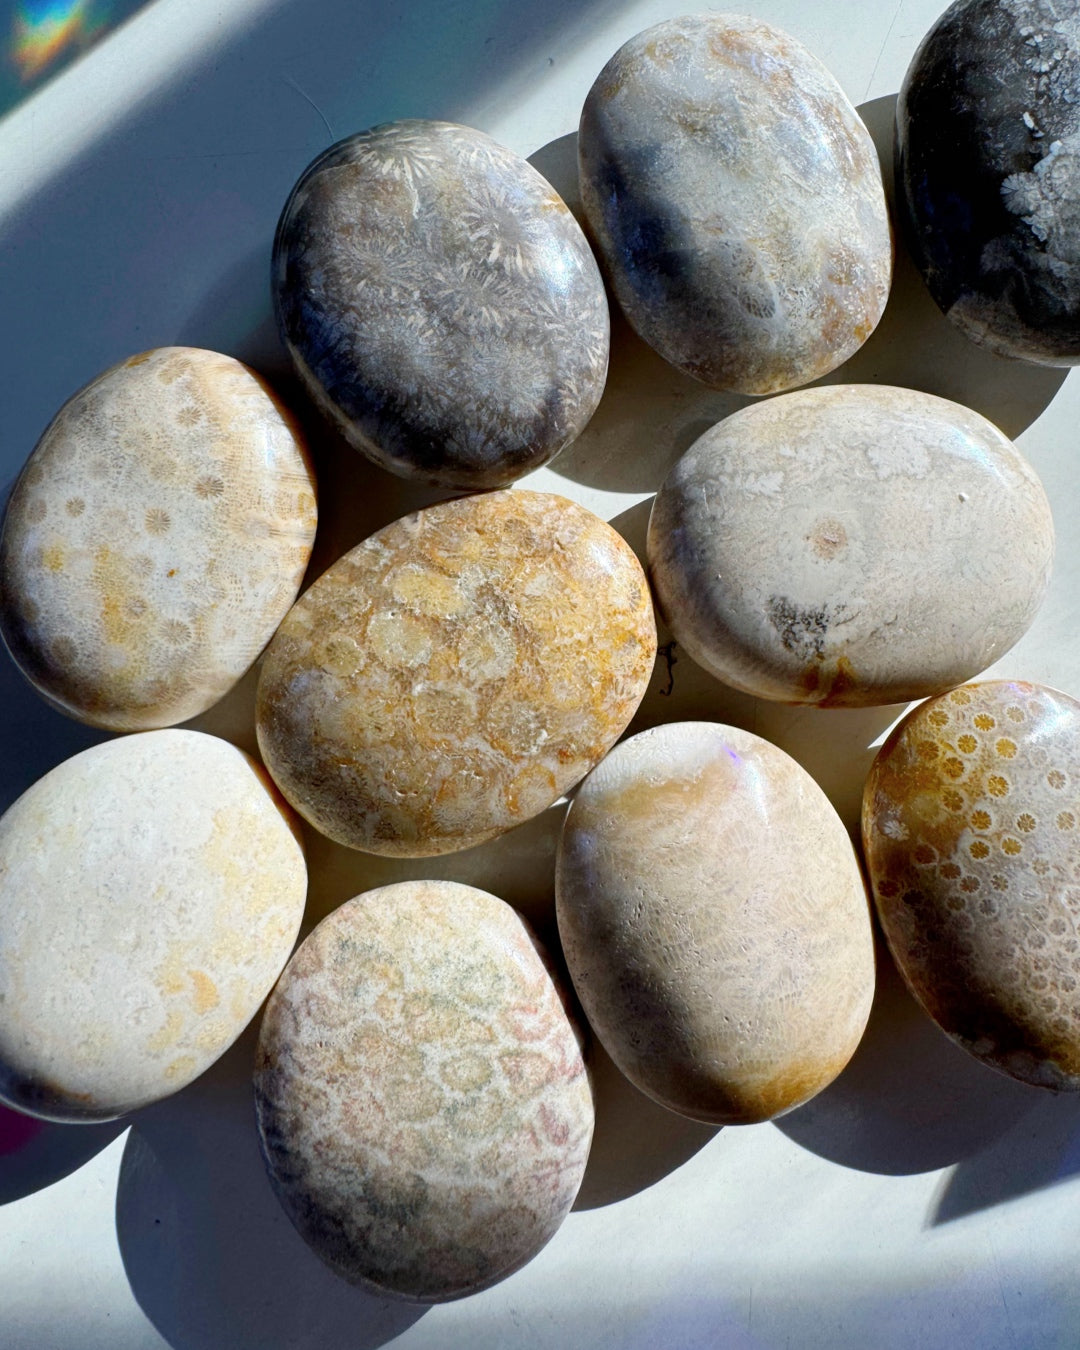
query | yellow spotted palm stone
[971, 825]
[155, 539]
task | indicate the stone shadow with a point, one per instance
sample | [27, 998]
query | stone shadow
[35, 1153]
[209, 1253]
[910, 1100]
[637, 1142]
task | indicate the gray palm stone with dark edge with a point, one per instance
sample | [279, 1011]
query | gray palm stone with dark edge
[988, 174]
[736, 200]
[441, 304]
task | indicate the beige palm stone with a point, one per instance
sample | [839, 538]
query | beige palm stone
[151, 889]
[155, 539]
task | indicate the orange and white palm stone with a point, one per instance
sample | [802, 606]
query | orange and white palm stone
[971, 827]
[453, 675]
[422, 1102]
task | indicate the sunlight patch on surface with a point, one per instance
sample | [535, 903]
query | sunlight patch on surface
[47, 132]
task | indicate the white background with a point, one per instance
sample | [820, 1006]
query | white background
[921, 1200]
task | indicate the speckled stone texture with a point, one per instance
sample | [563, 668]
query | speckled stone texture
[422, 1102]
[456, 673]
[715, 922]
[988, 174]
[155, 540]
[736, 199]
[151, 889]
[441, 304]
[971, 829]
[850, 545]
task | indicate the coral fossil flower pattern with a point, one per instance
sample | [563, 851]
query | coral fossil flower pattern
[441, 303]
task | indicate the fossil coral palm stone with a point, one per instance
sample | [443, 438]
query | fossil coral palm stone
[151, 889]
[422, 1102]
[988, 173]
[737, 202]
[155, 540]
[971, 827]
[441, 304]
[715, 922]
[455, 673]
[850, 545]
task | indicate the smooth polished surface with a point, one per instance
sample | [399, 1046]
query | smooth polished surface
[714, 920]
[737, 202]
[971, 827]
[988, 131]
[922, 1200]
[155, 539]
[441, 304]
[150, 892]
[849, 546]
[454, 674]
[422, 1101]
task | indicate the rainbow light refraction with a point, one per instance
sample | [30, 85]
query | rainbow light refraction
[48, 29]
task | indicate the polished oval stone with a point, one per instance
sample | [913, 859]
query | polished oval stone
[441, 304]
[422, 1102]
[971, 830]
[736, 199]
[715, 923]
[455, 673]
[988, 179]
[850, 545]
[155, 540]
[151, 889]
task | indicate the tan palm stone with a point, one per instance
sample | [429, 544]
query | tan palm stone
[455, 673]
[715, 922]
[736, 200]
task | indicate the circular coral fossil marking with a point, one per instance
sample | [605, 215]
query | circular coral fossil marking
[828, 538]
[158, 520]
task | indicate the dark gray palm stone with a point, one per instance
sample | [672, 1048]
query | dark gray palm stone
[441, 304]
[737, 203]
[988, 174]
